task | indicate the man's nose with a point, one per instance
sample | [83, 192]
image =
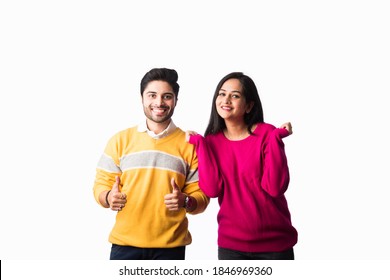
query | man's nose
[159, 101]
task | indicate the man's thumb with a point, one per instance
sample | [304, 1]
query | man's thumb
[175, 188]
[115, 187]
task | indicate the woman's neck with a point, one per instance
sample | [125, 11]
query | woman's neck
[236, 131]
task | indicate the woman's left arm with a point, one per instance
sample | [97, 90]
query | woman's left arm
[276, 176]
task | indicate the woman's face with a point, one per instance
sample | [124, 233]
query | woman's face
[231, 103]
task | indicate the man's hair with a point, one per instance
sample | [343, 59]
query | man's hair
[161, 74]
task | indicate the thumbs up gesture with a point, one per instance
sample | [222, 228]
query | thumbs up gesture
[174, 201]
[116, 199]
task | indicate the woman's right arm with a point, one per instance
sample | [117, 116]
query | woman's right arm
[210, 180]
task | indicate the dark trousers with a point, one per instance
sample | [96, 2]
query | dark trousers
[227, 254]
[119, 252]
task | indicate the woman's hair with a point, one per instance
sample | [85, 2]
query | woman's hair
[161, 74]
[249, 90]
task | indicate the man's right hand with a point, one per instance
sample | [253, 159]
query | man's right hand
[116, 199]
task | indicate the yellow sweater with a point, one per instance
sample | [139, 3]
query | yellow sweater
[145, 166]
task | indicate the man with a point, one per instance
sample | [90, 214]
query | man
[149, 174]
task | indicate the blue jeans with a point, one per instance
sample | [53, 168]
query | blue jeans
[119, 252]
[227, 254]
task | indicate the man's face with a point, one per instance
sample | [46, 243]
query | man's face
[159, 102]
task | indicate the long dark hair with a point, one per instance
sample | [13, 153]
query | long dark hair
[249, 90]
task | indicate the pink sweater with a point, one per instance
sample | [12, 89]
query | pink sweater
[249, 177]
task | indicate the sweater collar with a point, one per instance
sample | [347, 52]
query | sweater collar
[142, 127]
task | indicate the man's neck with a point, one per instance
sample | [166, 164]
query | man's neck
[157, 127]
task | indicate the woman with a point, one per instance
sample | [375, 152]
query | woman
[242, 162]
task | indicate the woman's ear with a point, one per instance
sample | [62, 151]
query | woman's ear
[249, 107]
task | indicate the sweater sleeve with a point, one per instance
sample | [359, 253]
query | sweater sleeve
[276, 175]
[210, 180]
[106, 170]
[202, 200]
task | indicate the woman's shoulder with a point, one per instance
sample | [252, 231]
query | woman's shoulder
[214, 136]
[264, 127]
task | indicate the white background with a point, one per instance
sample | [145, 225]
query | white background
[69, 79]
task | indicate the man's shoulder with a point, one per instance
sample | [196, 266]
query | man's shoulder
[125, 132]
[179, 130]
